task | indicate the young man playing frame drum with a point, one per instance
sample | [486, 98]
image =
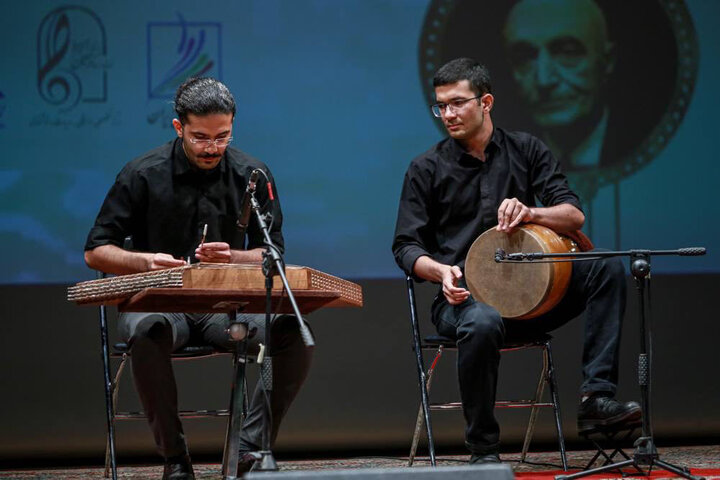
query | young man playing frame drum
[482, 177]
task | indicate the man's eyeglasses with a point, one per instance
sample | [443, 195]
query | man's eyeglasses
[439, 108]
[206, 142]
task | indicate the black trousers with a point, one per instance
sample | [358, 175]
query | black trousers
[153, 337]
[597, 287]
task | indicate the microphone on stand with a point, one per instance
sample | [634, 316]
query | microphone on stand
[502, 256]
[236, 329]
[245, 206]
[691, 251]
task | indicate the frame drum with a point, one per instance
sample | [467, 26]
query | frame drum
[519, 290]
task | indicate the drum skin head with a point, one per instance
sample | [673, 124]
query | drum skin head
[517, 290]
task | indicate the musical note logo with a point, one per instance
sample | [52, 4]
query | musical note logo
[71, 57]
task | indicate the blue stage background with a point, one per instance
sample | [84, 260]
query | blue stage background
[329, 95]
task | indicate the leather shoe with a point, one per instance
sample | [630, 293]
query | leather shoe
[178, 468]
[484, 459]
[246, 462]
[605, 411]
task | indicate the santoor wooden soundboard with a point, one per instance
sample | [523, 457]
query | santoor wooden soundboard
[240, 283]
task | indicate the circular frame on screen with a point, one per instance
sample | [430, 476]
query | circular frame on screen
[649, 88]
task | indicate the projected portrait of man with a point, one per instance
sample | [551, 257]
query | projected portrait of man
[604, 84]
[561, 69]
[599, 81]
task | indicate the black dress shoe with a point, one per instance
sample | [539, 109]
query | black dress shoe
[484, 459]
[178, 468]
[246, 462]
[604, 411]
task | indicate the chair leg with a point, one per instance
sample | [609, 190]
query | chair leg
[109, 408]
[420, 367]
[552, 383]
[420, 415]
[535, 409]
[114, 390]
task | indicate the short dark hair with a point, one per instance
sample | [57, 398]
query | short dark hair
[203, 96]
[464, 69]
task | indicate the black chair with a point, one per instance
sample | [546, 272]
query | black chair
[439, 344]
[238, 402]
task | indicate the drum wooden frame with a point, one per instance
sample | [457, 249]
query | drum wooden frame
[519, 290]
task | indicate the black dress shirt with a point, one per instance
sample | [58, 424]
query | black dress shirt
[163, 202]
[450, 197]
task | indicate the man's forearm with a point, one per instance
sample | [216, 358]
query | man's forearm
[561, 218]
[429, 269]
[113, 259]
[246, 256]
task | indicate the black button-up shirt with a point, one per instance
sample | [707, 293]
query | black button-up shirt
[450, 197]
[163, 202]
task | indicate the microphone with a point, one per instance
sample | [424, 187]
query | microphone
[237, 331]
[692, 251]
[244, 219]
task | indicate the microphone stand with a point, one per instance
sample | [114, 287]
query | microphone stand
[645, 453]
[231, 454]
[272, 264]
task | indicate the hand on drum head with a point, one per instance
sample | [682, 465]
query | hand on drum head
[455, 295]
[511, 213]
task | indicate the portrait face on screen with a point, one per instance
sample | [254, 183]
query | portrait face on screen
[585, 76]
[560, 68]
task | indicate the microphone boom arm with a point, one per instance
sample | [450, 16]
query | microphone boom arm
[502, 257]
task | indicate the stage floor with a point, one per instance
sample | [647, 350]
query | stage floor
[706, 459]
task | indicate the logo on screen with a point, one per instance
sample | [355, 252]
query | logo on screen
[179, 50]
[71, 58]
[589, 80]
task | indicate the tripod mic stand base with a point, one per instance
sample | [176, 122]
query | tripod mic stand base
[266, 463]
[644, 456]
